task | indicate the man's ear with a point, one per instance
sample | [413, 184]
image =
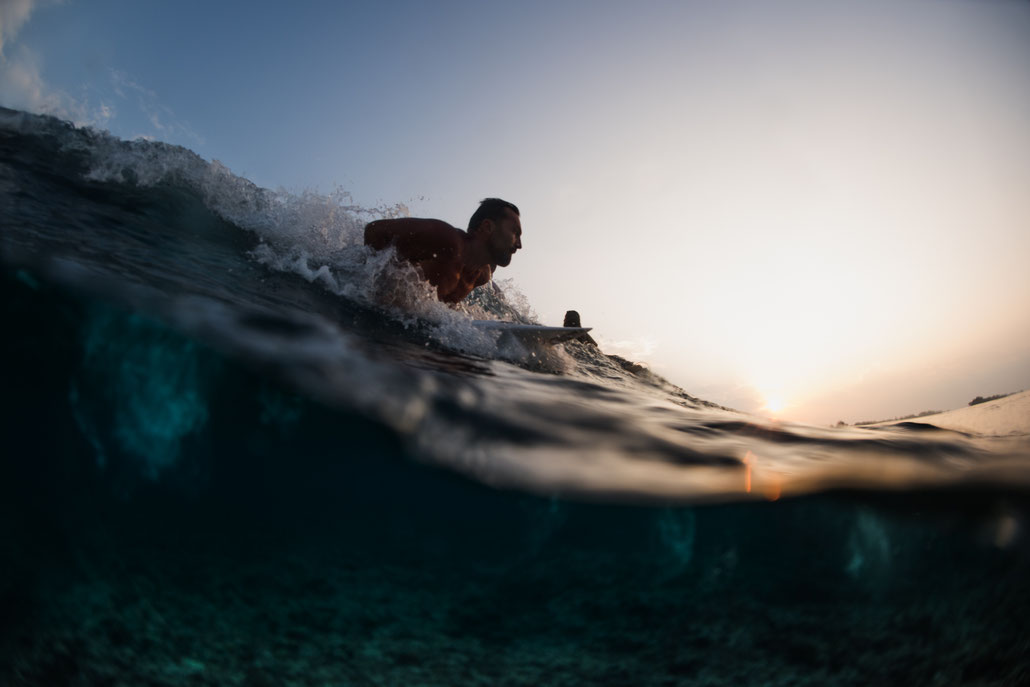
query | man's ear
[486, 226]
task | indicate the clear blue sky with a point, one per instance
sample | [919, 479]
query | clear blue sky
[812, 208]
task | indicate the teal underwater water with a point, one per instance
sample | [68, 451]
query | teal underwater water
[225, 461]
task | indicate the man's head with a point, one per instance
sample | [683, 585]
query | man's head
[499, 223]
[490, 209]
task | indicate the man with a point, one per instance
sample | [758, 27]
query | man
[453, 261]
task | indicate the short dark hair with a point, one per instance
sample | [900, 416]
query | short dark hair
[490, 208]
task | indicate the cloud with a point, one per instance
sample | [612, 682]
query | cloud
[160, 117]
[13, 15]
[22, 87]
[21, 82]
[639, 349]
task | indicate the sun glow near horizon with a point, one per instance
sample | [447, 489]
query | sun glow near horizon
[774, 402]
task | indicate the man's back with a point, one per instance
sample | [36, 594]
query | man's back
[435, 248]
[415, 239]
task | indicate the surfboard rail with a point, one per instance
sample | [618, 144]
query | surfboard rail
[536, 333]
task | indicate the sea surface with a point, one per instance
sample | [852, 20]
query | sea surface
[239, 448]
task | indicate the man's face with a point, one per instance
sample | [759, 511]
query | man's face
[506, 238]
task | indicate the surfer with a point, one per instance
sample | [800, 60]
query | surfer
[452, 260]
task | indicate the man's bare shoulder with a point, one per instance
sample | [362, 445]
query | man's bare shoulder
[406, 224]
[415, 237]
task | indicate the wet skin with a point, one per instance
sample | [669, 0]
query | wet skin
[453, 261]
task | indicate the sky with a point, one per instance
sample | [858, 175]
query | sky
[814, 210]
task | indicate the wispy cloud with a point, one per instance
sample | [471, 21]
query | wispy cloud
[638, 350]
[166, 124]
[13, 15]
[23, 86]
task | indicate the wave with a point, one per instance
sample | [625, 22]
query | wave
[283, 283]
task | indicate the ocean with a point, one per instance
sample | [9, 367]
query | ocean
[239, 448]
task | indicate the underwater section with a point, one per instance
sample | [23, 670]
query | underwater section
[174, 516]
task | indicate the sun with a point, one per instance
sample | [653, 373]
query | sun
[774, 403]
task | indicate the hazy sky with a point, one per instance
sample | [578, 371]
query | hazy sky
[814, 208]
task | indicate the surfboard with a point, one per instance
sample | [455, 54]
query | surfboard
[532, 333]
